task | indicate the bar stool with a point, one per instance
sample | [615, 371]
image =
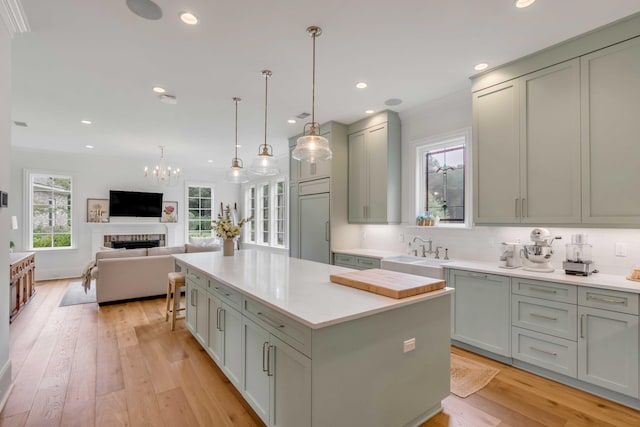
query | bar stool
[175, 282]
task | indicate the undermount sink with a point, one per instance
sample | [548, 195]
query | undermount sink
[428, 267]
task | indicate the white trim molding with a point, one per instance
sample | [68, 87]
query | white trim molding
[6, 386]
[13, 16]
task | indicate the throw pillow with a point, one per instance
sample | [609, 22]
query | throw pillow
[194, 248]
[203, 241]
[166, 250]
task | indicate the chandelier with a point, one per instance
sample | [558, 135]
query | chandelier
[237, 174]
[312, 146]
[163, 174]
[264, 163]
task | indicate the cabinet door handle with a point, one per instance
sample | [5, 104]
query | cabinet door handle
[193, 299]
[551, 353]
[270, 321]
[265, 367]
[582, 326]
[606, 300]
[269, 362]
[542, 316]
[517, 204]
[544, 290]
[218, 318]
[522, 208]
[326, 231]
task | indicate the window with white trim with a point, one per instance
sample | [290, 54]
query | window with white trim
[50, 211]
[443, 180]
[199, 210]
[266, 205]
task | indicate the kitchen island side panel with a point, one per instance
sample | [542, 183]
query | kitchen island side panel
[362, 377]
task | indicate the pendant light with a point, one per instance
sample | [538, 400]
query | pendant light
[312, 146]
[264, 164]
[237, 174]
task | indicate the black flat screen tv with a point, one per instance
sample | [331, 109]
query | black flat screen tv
[135, 203]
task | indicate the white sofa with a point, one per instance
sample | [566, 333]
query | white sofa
[122, 275]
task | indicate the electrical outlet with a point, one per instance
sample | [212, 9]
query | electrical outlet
[409, 345]
[621, 249]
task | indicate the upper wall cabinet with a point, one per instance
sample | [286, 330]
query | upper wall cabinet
[611, 134]
[374, 170]
[526, 148]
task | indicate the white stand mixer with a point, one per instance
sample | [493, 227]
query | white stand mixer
[538, 254]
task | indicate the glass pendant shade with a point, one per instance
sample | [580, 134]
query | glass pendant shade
[264, 164]
[237, 174]
[312, 147]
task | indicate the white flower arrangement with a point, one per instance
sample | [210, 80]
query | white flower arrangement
[224, 227]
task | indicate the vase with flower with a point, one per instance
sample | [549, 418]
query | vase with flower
[227, 230]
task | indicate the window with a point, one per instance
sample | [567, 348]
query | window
[199, 202]
[266, 204]
[444, 178]
[50, 225]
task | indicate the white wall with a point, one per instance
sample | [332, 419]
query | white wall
[93, 177]
[5, 161]
[480, 243]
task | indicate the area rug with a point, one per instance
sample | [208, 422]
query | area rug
[75, 294]
[469, 376]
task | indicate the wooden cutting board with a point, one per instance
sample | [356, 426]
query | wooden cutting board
[388, 283]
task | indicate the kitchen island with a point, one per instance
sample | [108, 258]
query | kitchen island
[307, 352]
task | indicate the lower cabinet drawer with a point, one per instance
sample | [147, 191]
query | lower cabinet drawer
[196, 277]
[293, 333]
[547, 317]
[365, 263]
[233, 297]
[622, 302]
[344, 260]
[552, 353]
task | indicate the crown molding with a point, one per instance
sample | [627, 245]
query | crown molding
[13, 16]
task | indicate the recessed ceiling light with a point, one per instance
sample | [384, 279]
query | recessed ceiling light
[524, 3]
[291, 121]
[370, 111]
[159, 89]
[88, 146]
[209, 161]
[481, 66]
[188, 18]
[238, 145]
[361, 85]
[85, 122]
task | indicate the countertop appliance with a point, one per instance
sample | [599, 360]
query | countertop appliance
[537, 255]
[579, 261]
[511, 255]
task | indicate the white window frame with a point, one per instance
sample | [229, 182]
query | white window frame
[437, 142]
[185, 212]
[28, 216]
[258, 217]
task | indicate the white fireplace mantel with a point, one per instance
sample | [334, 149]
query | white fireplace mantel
[100, 229]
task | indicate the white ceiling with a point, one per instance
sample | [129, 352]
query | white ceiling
[96, 60]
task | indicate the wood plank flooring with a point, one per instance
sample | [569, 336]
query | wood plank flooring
[120, 365]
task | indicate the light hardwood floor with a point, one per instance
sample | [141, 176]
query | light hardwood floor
[120, 365]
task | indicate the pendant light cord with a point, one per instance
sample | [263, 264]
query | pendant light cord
[235, 146]
[313, 82]
[266, 80]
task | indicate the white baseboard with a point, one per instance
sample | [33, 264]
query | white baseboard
[6, 386]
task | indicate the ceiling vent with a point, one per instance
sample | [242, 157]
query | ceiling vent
[303, 115]
[21, 124]
[168, 99]
[145, 9]
[393, 101]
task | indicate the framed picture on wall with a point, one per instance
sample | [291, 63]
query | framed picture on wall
[97, 210]
[169, 212]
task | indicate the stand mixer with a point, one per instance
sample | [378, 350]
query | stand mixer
[538, 254]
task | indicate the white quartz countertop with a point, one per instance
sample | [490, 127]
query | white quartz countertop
[371, 253]
[296, 288]
[596, 280]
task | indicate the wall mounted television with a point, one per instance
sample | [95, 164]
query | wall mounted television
[135, 203]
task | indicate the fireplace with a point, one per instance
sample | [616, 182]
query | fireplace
[134, 241]
[135, 244]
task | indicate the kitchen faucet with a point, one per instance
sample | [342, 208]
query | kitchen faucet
[424, 251]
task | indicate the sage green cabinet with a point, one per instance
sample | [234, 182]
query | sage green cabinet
[225, 345]
[526, 148]
[355, 261]
[482, 310]
[374, 170]
[190, 316]
[315, 227]
[610, 129]
[255, 384]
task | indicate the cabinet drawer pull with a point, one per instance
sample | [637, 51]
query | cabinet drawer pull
[222, 291]
[264, 356]
[546, 291]
[269, 320]
[542, 316]
[194, 276]
[551, 353]
[606, 300]
[478, 275]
